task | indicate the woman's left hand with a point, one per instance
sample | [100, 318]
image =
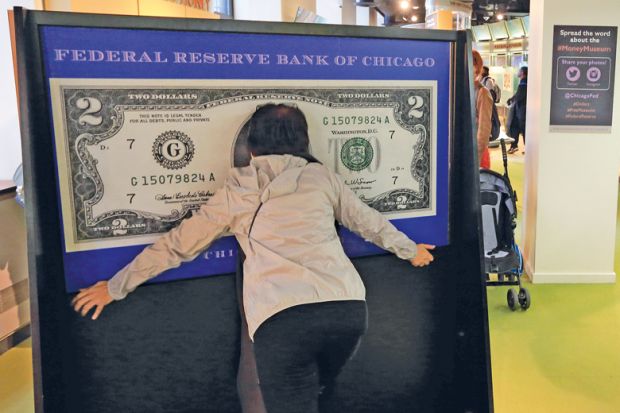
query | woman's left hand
[423, 257]
[96, 296]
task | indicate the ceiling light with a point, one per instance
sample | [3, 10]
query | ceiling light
[414, 18]
[500, 17]
[404, 4]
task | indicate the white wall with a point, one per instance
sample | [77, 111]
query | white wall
[264, 10]
[571, 178]
[330, 10]
[363, 15]
[10, 142]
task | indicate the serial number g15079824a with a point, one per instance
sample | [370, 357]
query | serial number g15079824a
[169, 179]
[355, 120]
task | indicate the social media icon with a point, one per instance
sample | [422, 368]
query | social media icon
[573, 74]
[594, 74]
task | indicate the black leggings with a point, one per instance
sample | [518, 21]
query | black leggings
[300, 351]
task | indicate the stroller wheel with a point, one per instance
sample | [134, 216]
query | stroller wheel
[512, 299]
[524, 298]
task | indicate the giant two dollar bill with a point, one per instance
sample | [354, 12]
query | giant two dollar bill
[135, 157]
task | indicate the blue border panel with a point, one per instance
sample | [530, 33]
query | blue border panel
[67, 54]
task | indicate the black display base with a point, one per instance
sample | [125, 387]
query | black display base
[174, 347]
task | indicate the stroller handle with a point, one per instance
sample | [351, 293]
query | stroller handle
[504, 157]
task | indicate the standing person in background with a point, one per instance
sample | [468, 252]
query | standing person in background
[490, 83]
[484, 110]
[519, 99]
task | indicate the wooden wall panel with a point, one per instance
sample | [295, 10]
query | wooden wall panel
[14, 301]
[106, 7]
[160, 8]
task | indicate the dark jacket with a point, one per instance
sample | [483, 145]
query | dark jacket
[520, 101]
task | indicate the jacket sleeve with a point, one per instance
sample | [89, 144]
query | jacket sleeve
[484, 110]
[521, 96]
[520, 101]
[368, 223]
[178, 245]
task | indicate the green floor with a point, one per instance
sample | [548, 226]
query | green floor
[562, 355]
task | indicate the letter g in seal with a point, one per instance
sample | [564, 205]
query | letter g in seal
[173, 150]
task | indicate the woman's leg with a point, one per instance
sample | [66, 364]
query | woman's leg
[248, 388]
[285, 346]
[304, 347]
[337, 350]
[514, 146]
[247, 378]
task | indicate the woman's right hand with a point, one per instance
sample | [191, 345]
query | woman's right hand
[96, 296]
[423, 257]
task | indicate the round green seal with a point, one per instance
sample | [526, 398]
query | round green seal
[356, 154]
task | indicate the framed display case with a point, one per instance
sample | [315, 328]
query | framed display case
[103, 101]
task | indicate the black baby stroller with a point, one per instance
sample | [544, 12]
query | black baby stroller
[499, 213]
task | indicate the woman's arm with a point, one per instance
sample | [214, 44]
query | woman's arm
[484, 110]
[178, 245]
[374, 227]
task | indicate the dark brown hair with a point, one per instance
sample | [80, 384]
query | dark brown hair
[278, 129]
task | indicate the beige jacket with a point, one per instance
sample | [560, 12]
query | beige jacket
[293, 254]
[484, 112]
